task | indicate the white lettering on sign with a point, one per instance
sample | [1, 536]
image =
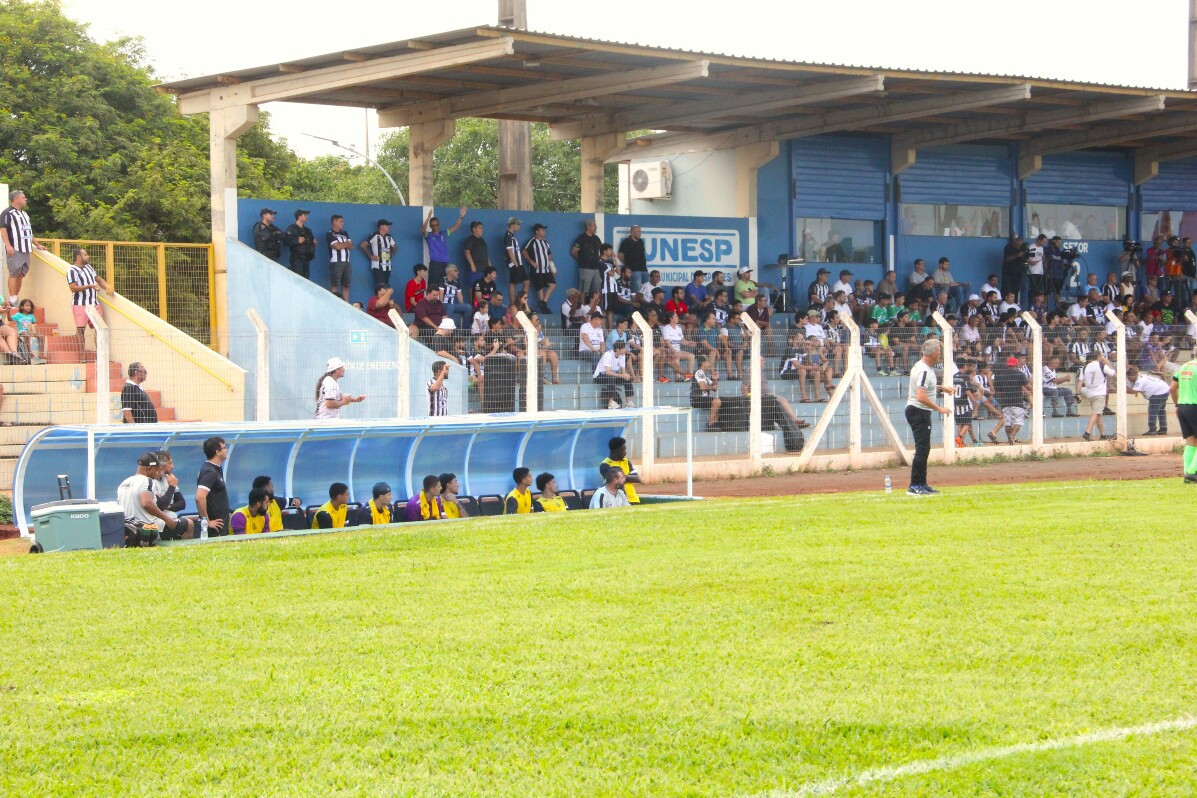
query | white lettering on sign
[80, 515]
[678, 252]
[1081, 246]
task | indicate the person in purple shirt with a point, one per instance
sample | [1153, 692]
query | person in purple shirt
[426, 505]
[438, 245]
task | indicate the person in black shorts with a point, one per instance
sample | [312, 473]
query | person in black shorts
[517, 273]
[211, 495]
[965, 405]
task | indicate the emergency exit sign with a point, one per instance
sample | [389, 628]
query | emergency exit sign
[357, 336]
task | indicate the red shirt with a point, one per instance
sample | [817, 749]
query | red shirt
[433, 311]
[413, 293]
[379, 313]
[677, 306]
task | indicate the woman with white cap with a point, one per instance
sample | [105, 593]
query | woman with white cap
[329, 399]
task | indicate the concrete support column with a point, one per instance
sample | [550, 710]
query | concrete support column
[423, 139]
[595, 150]
[515, 166]
[225, 126]
[749, 159]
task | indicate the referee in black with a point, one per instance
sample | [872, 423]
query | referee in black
[920, 401]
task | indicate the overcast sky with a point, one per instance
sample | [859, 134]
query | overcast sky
[1068, 39]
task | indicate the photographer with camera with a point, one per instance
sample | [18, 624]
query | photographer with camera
[1014, 265]
[1130, 260]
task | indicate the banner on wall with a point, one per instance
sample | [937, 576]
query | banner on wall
[678, 252]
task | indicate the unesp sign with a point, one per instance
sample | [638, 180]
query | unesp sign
[678, 252]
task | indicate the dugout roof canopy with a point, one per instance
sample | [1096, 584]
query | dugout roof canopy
[693, 101]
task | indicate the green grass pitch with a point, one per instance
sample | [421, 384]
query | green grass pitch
[727, 648]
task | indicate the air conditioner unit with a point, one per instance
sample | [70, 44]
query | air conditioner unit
[651, 180]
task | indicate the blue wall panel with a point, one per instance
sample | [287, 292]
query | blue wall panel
[1174, 189]
[841, 177]
[963, 175]
[1082, 178]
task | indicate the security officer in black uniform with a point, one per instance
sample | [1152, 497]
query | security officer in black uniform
[302, 243]
[268, 239]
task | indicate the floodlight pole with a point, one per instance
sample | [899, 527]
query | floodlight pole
[367, 159]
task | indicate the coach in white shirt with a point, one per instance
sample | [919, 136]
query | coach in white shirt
[920, 401]
[1094, 388]
[611, 493]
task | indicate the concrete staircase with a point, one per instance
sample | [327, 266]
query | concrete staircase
[60, 391]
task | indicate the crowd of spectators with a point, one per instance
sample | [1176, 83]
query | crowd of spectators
[155, 507]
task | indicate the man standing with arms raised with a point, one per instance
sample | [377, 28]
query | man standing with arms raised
[920, 401]
[1184, 393]
[19, 243]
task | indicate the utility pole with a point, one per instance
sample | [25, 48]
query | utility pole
[515, 138]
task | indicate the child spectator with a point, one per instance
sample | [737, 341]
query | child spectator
[879, 350]
[413, 294]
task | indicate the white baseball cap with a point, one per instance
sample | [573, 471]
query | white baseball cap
[334, 363]
[447, 324]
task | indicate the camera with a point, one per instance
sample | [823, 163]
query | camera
[1027, 250]
[1133, 247]
[1069, 254]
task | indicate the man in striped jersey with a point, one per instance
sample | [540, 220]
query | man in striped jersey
[19, 243]
[380, 248]
[83, 281]
[540, 257]
[340, 245]
[438, 392]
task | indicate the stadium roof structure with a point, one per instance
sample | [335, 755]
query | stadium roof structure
[586, 88]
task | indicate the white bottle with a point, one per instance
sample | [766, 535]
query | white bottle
[889, 484]
[203, 529]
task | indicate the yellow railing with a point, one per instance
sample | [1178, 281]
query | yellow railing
[172, 281]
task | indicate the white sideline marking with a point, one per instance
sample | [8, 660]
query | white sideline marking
[983, 755]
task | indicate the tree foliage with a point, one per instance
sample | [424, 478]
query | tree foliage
[102, 155]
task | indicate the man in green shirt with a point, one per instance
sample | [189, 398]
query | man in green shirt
[1184, 393]
[884, 311]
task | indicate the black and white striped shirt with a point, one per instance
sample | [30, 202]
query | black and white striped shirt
[20, 231]
[438, 399]
[338, 237]
[452, 292]
[83, 275]
[541, 254]
[381, 247]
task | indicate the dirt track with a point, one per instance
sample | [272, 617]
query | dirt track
[1077, 468]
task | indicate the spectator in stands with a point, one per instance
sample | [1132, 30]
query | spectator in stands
[334, 513]
[416, 288]
[817, 292]
[450, 504]
[878, 349]
[29, 343]
[695, 293]
[19, 243]
[302, 244]
[572, 315]
[519, 498]
[923, 292]
[587, 250]
[712, 344]
[592, 339]
[657, 304]
[477, 254]
[274, 506]
[632, 255]
[548, 501]
[677, 303]
[136, 407]
[888, 285]
[1156, 392]
[429, 313]
[253, 518]
[170, 500]
[380, 248]
[622, 303]
[211, 495]
[673, 349]
[539, 257]
[517, 267]
[1011, 388]
[340, 247]
[329, 399]
[620, 332]
[918, 275]
[704, 390]
[83, 282]
[484, 289]
[378, 510]
[945, 281]
[438, 245]
[1094, 387]
[495, 310]
[654, 282]
[612, 372]
[1014, 266]
[1054, 392]
[760, 314]
[610, 494]
[382, 303]
[438, 392]
[136, 495]
[546, 349]
[617, 457]
[453, 299]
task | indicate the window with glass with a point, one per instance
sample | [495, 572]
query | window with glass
[1076, 222]
[968, 221]
[839, 240]
[1168, 223]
